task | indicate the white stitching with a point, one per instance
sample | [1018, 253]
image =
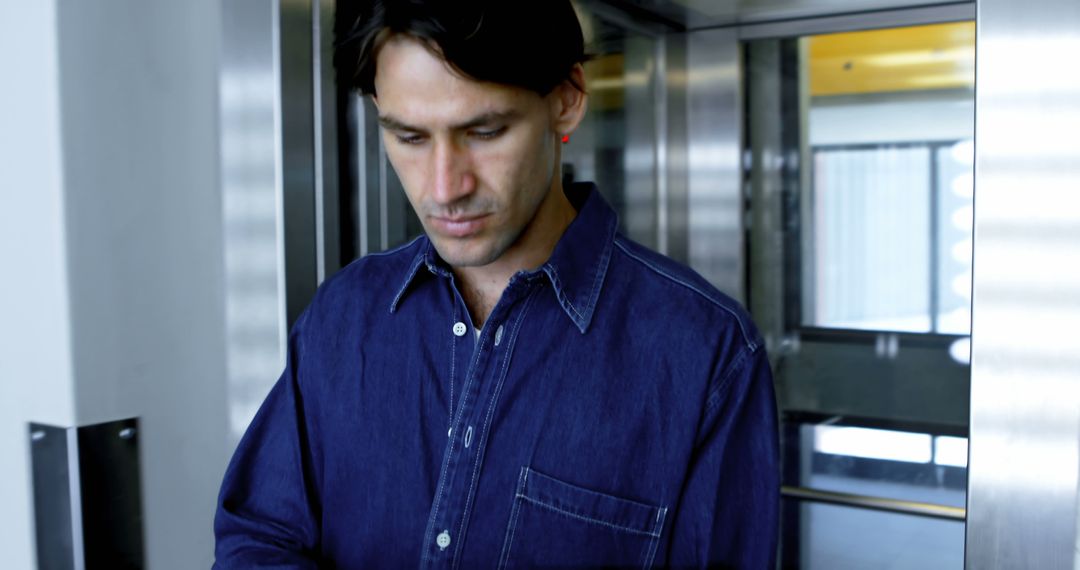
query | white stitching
[480, 447]
[660, 516]
[512, 528]
[450, 452]
[584, 518]
[742, 328]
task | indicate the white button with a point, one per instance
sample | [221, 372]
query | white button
[460, 329]
[498, 335]
[468, 437]
[449, 432]
[443, 540]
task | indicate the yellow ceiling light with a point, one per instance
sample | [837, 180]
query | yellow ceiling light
[939, 56]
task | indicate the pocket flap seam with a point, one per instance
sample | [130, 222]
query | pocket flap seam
[592, 520]
[590, 506]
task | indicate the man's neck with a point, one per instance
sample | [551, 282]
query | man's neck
[482, 287]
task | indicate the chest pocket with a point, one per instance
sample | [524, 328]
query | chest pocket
[556, 524]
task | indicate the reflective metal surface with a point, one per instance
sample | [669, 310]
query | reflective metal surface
[639, 203]
[111, 494]
[673, 183]
[56, 531]
[1022, 505]
[87, 496]
[888, 396]
[377, 215]
[931, 510]
[714, 119]
[697, 14]
[298, 128]
[620, 143]
[325, 119]
[253, 209]
[826, 23]
[773, 147]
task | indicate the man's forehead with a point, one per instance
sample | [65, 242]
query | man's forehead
[413, 82]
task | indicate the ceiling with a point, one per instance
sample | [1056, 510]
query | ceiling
[692, 14]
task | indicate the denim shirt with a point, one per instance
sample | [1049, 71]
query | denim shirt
[616, 410]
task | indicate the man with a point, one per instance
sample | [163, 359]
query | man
[522, 387]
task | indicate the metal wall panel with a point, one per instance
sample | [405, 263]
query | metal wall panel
[673, 183]
[1025, 385]
[769, 10]
[325, 118]
[714, 132]
[641, 85]
[56, 530]
[88, 496]
[700, 14]
[298, 128]
[253, 211]
[830, 24]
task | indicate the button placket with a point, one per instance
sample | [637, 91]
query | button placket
[495, 369]
[465, 447]
[457, 466]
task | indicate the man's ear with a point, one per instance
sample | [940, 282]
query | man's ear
[569, 102]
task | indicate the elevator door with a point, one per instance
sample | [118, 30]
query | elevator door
[860, 208]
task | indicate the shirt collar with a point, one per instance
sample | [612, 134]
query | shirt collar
[577, 265]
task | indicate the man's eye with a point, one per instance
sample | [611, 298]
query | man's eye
[410, 139]
[488, 134]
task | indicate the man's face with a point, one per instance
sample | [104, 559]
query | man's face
[477, 160]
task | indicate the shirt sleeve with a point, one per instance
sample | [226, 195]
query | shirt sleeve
[267, 512]
[729, 509]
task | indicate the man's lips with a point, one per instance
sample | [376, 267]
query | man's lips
[459, 226]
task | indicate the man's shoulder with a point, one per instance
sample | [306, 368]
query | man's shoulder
[683, 293]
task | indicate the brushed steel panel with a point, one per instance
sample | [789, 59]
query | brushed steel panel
[297, 41]
[325, 120]
[830, 24]
[673, 149]
[714, 119]
[641, 213]
[1024, 460]
[87, 496]
[251, 180]
[700, 14]
[54, 518]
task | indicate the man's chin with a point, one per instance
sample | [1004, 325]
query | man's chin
[457, 256]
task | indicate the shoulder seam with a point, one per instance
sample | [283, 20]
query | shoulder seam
[753, 346]
[721, 386]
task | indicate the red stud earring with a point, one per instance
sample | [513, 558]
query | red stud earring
[565, 139]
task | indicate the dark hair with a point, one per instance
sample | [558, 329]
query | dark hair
[533, 44]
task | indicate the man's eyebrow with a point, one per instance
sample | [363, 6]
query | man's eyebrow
[393, 124]
[487, 119]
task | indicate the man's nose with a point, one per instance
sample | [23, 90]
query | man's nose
[453, 173]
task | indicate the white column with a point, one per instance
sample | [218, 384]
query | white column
[36, 380]
[112, 294]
